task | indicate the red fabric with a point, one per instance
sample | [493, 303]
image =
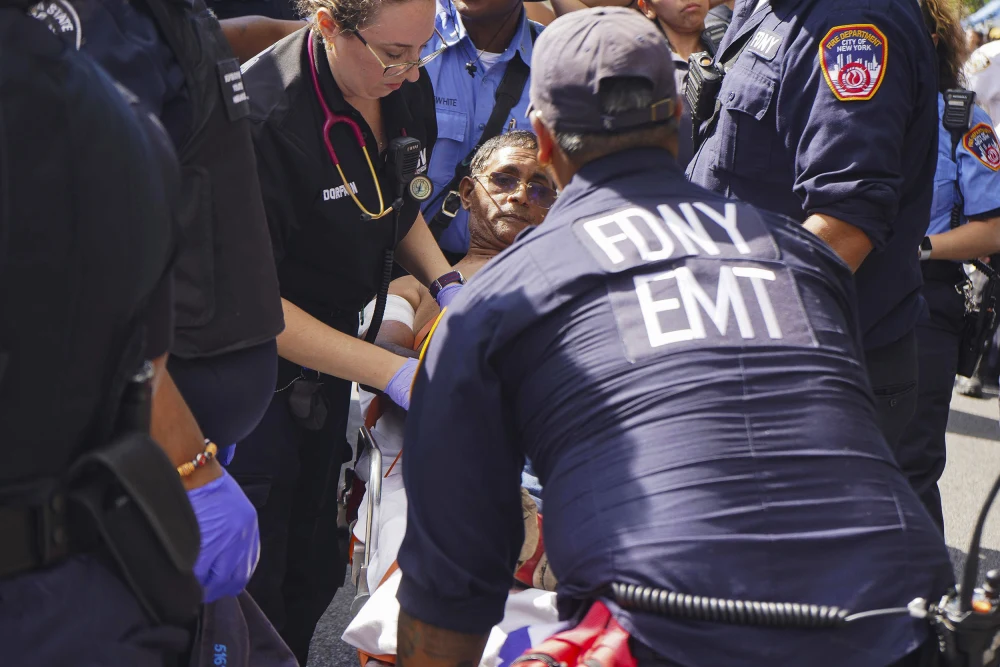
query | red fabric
[598, 641]
[526, 573]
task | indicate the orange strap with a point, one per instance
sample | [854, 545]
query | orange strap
[365, 657]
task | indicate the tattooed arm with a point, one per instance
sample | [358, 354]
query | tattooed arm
[423, 645]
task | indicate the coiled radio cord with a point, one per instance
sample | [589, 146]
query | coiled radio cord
[740, 612]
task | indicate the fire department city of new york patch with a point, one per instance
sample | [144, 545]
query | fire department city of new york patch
[981, 141]
[853, 59]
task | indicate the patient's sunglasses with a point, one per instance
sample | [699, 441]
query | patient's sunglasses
[501, 183]
[399, 69]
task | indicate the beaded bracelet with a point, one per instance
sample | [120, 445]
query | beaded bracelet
[200, 461]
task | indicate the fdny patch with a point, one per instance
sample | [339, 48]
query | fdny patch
[853, 58]
[765, 44]
[982, 142]
[61, 18]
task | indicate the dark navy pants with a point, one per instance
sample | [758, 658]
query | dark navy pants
[892, 370]
[228, 393]
[290, 474]
[921, 452]
[80, 614]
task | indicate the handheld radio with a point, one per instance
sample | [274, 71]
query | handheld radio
[402, 159]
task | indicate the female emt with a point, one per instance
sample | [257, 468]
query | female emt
[337, 107]
[966, 182]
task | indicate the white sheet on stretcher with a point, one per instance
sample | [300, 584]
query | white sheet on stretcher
[373, 630]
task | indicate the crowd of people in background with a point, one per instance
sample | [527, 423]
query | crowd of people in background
[642, 298]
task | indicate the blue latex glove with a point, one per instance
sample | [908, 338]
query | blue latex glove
[399, 386]
[230, 543]
[447, 294]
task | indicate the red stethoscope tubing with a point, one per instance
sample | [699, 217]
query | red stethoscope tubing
[331, 119]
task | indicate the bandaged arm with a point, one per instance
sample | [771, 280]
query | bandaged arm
[397, 323]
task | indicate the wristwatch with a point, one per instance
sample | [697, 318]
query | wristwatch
[450, 278]
[925, 249]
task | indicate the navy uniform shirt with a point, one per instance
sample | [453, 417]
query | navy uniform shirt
[832, 109]
[124, 40]
[684, 372]
[329, 260]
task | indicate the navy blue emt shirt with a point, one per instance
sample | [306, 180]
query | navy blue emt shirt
[684, 373]
[832, 109]
[124, 40]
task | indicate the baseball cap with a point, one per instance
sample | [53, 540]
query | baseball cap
[579, 50]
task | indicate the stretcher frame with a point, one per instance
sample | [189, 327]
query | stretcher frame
[374, 490]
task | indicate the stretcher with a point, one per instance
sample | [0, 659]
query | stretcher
[362, 551]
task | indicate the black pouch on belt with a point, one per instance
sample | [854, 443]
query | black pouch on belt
[128, 496]
[308, 404]
[981, 322]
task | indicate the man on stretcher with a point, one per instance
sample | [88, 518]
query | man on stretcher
[506, 193]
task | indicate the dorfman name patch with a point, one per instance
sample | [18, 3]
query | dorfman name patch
[853, 59]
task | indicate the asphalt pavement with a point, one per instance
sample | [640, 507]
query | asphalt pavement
[973, 466]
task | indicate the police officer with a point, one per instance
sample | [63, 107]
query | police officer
[480, 90]
[228, 312]
[662, 355]
[855, 163]
[99, 539]
[332, 107]
[965, 225]
[721, 13]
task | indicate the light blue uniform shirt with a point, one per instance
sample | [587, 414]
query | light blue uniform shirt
[976, 168]
[464, 104]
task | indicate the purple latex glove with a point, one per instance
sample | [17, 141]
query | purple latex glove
[399, 386]
[226, 454]
[447, 294]
[230, 543]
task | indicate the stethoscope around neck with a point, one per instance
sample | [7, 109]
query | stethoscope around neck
[331, 119]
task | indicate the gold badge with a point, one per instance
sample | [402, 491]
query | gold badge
[421, 188]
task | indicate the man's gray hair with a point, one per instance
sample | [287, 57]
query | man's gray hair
[512, 139]
[617, 96]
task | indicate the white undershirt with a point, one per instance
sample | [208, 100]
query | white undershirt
[488, 60]
[760, 3]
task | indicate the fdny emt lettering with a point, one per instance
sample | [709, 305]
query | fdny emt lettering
[694, 299]
[620, 239]
[714, 278]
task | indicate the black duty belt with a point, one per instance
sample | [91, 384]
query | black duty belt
[940, 270]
